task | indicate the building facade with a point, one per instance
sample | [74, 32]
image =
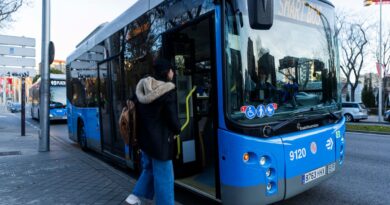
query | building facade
[17, 60]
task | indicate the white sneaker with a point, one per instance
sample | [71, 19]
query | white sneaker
[133, 200]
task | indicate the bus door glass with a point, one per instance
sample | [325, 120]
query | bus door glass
[117, 90]
[191, 49]
[110, 106]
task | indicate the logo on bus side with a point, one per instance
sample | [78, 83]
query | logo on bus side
[329, 144]
[313, 148]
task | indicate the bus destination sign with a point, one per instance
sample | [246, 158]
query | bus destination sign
[302, 11]
[58, 83]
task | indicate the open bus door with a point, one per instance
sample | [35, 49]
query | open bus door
[191, 49]
[110, 106]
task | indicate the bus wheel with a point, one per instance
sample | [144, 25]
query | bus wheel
[81, 136]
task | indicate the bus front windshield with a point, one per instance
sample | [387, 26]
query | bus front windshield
[57, 96]
[290, 69]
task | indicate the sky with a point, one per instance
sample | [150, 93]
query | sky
[356, 9]
[73, 20]
[69, 23]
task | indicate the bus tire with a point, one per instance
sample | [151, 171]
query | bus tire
[81, 136]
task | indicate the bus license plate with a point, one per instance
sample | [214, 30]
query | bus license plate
[313, 175]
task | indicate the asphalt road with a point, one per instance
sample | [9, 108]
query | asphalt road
[363, 179]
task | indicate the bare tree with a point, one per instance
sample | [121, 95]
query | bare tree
[7, 9]
[354, 43]
[385, 61]
[386, 53]
[340, 25]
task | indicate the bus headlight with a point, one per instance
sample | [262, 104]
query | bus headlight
[263, 160]
[246, 157]
[268, 173]
[51, 115]
[269, 186]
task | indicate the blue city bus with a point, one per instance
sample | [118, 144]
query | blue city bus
[57, 98]
[258, 89]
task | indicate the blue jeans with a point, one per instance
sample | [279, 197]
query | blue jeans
[156, 177]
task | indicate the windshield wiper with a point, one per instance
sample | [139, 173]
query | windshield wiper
[312, 109]
[55, 104]
[299, 115]
[333, 115]
[270, 130]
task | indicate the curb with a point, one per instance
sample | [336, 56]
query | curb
[369, 123]
[368, 132]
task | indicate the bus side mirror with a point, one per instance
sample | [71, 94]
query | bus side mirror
[261, 14]
[51, 52]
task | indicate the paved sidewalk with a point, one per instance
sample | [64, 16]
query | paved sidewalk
[65, 175]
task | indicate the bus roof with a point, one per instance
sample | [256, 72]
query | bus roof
[105, 30]
[135, 11]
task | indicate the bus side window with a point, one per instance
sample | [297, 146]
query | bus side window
[78, 98]
[91, 92]
[74, 94]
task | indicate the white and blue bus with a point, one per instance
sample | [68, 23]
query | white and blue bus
[57, 98]
[258, 87]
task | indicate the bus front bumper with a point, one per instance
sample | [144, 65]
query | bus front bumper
[287, 189]
[55, 118]
[297, 185]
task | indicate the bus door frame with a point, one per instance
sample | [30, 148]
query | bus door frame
[212, 17]
[108, 149]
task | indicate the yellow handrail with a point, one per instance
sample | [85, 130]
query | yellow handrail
[187, 121]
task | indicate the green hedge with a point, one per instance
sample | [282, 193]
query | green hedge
[369, 128]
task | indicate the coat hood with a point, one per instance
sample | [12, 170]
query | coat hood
[149, 89]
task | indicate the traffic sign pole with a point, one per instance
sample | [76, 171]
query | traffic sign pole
[380, 65]
[23, 110]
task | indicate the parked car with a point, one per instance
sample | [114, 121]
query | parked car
[354, 111]
[15, 107]
[9, 103]
[386, 116]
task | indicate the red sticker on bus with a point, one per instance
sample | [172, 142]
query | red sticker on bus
[243, 109]
[313, 148]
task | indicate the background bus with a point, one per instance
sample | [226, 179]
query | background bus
[264, 118]
[57, 98]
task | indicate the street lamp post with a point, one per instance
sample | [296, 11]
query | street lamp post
[380, 65]
[44, 140]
